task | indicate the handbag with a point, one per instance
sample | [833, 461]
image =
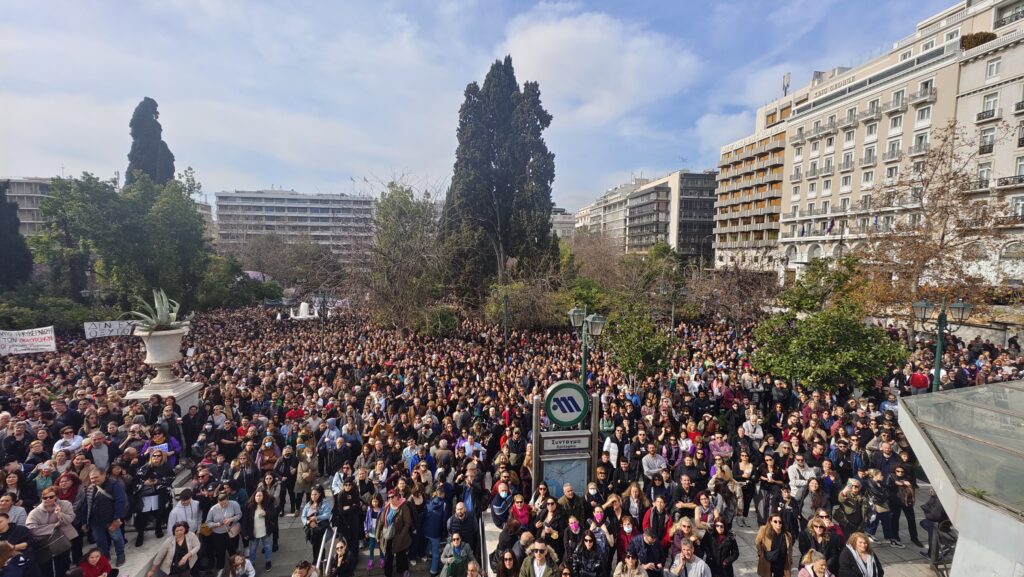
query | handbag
[205, 530]
[234, 530]
[56, 544]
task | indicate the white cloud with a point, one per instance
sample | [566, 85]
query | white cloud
[594, 68]
[715, 130]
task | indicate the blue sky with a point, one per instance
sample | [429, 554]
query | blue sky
[339, 96]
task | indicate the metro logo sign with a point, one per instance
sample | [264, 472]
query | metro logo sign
[566, 403]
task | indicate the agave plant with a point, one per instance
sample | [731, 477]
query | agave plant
[162, 316]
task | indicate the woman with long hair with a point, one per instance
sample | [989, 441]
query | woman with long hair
[587, 560]
[343, 563]
[634, 502]
[177, 554]
[69, 489]
[259, 524]
[307, 474]
[774, 547]
[818, 537]
[239, 566]
[508, 565]
[771, 478]
[746, 477]
[316, 516]
[815, 498]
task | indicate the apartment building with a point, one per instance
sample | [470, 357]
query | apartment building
[677, 209]
[607, 215]
[340, 221]
[990, 100]
[749, 193]
[563, 222]
[29, 194]
[852, 131]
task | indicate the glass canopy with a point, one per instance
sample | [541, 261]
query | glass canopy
[979, 434]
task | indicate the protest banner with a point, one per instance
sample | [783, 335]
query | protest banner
[28, 341]
[95, 330]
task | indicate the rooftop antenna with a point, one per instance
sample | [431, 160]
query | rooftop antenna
[62, 171]
[785, 84]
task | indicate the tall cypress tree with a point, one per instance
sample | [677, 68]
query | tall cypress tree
[15, 258]
[149, 152]
[498, 206]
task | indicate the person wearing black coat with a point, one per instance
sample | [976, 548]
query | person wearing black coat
[850, 559]
[586, 560]
[343, 563]
[259, 500]
[818, 537]
[720, 550]
[350, 514]
[153, 481]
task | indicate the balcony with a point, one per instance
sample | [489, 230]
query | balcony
[868, 161]
[1010, 181]
[919, 149]
[1012, 220]
[1009, 18]
[796, 177]
[1020, 141]
[775, 144]
[925, 96]
[979, 184]
[985, 148]
[812, 172]
[797, 138]
[1019, 107]
[846, 166]
[989, 115]
[827, 170]
[850, 120]
[825, 130]
[840, 209]
[869, 115]
[774, 176]
[892, 156]
[895, 107]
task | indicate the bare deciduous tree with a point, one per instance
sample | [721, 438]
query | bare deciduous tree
[926, 229]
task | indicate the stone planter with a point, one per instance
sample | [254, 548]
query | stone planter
[163, 349]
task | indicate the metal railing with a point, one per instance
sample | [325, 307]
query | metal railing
[869, 160]
[323, 564]
[1009, 18]
[923, 95]
[484, 565]
[990, 114]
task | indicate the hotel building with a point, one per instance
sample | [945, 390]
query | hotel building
[342, 222]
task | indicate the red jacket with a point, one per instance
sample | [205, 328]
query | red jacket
[90, 570]
[666, 538]
[919, 381]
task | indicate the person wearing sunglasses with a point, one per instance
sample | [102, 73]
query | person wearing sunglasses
[629, 567]
[343, 564]
[820, 536]
[720, 549]
[539, 563]
[587, 560]
[508, 565]
[52, 514]
[456, 557]
[774, 548]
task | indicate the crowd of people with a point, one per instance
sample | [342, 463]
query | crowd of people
[402, 442]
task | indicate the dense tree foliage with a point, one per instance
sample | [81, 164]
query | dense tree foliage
[407, 259]
[639, 347]
[498, 207]
[15, 258]
[149, 153]
[822, 340]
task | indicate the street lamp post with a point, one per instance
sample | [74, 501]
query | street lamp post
[960, 312]
[588, 327]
